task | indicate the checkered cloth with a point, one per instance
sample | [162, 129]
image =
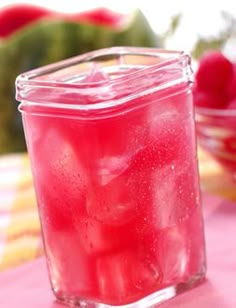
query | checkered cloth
[20, 239]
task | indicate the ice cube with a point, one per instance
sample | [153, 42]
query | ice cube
[61, 181]
[110, 199]
[176, 195]
[96, 75]
[72, 270]
[111, 204]
[110, 167]
[173, 253]
[127, 276]
[65, 166]
[99, 239]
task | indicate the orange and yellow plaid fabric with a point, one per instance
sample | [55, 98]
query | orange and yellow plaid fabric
[20, 238]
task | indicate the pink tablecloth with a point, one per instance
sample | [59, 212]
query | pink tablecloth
[27, 286]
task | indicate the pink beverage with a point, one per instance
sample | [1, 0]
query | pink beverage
[112, 144]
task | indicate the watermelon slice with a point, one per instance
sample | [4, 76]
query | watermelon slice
[43, 37]
[15, 17]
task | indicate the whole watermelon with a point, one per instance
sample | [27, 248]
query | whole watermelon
[44, 37]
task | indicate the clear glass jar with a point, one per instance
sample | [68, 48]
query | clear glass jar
[111, 138]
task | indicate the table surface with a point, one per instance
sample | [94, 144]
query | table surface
[28, 286]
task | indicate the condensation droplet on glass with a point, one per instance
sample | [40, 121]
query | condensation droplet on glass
[197, 199]
[180, 190]
[192, 195]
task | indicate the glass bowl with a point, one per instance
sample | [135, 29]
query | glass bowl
[216, 135]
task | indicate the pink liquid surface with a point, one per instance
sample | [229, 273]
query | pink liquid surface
[119, 200]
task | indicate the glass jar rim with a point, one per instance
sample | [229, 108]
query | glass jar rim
[158, 61]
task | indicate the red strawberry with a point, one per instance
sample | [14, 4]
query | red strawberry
[208, 100]
[214, 72]
[232, 104]
[231, 86]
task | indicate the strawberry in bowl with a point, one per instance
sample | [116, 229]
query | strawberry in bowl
[214, 95]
